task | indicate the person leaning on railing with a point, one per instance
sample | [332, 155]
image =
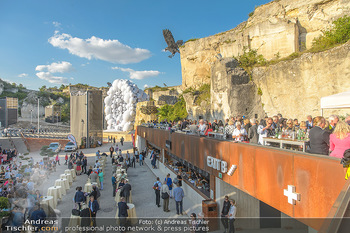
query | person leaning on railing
[229, 130]
[319, 138]
[340, 139]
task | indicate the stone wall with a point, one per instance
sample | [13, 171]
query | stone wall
[294, 88]
[140, 117]
[278, 28]
[35, 144]
[232, 92]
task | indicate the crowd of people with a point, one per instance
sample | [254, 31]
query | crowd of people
[323, 136]
[19, 184]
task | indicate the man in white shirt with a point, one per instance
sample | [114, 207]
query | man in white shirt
[232, 216]
[265, 131]
[201, 127]
[239, 133]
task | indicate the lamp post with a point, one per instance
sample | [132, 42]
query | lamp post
[82, 130]
[38, 117]
[31, 116]
[57, 120]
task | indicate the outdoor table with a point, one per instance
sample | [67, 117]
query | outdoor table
[74, 221]
[216, 135]
[74, 175]
[88, 188]
[118, 177]
[285, 142]
[64, 183]
[131, 214]
[117, 196]
[48, 200]
[70, 172]
[95, 183]
[119, 170]
[54, 191]
[68, 177]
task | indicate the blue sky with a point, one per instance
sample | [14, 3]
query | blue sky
[50, 42]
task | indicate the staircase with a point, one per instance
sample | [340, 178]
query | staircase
[17, 142]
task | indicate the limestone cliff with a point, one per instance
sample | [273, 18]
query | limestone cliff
[278, 28]
[294, 88]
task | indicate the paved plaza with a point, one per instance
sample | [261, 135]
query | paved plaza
[141, 179]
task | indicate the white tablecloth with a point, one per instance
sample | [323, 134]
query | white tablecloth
[68, 177]
[49, 201]
[54, 191]
[62, 182]
[70, 172]
[131, 214]
[88, 188]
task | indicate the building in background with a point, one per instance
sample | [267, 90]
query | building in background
[86, 116]
[8, 111]
[52, 113]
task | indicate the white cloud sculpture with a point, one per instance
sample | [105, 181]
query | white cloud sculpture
[120, 103]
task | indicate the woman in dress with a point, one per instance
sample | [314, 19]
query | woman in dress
[79, 167]
[340, 139]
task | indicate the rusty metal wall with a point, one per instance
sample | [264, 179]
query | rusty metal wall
[264, 172]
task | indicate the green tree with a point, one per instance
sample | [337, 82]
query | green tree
[65, 112]
[43, 88]
[173, 112]
[338, 34]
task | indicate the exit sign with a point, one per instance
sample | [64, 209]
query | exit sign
[220, 175]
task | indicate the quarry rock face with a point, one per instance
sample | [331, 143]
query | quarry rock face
[294, 88]
[232, 92]
[276, 29]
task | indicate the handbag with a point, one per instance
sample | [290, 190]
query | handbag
[165, 195]
[75, 212]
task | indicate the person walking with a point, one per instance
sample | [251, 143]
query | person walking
[122, 141]
[133, 160]
[57, 159]
[153, 160]
[232, 216]
[113, 140]
[156, 186]
[100, 176]
[137, 153]
[224, 213]
[111, 150]
[178, 195]
[164, 190]
[66, 158]
[169, 182]
[141, 159]
[114, 184]
[128, 157]
[84, 165]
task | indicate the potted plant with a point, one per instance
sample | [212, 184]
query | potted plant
[4, 209]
